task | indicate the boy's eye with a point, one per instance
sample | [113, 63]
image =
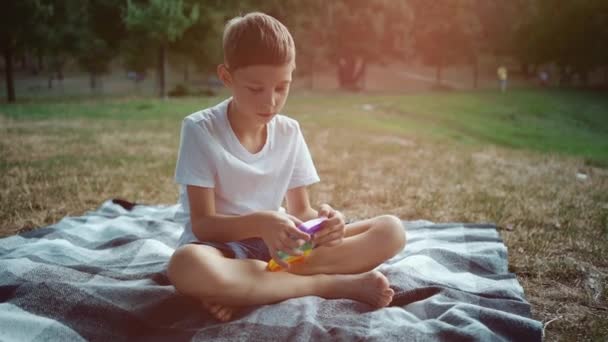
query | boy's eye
[255, 89]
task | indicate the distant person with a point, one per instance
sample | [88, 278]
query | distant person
[237, 162]
[136, 76]
[543, 78]
[502, 77]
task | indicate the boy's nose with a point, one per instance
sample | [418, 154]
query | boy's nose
[270, 101]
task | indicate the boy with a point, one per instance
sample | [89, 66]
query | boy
[237, 162]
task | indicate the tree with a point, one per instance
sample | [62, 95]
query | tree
[201, 43]
[572, 35]
[21, 23]
[306, 21]
[353, 41]
[442, 34]
[163, 22]
[343, 34]
[100, 41]
[63, 34]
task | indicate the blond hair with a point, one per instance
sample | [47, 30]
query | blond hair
[257, 38]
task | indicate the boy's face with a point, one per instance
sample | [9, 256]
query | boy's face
[259, 91]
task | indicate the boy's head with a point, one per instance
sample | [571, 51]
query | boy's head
[259, 58]
[257, 39]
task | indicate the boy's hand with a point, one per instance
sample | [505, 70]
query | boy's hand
[332, 230]
[280, 233]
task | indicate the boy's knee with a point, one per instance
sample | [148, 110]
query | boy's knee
[392, 232]
[191, 271]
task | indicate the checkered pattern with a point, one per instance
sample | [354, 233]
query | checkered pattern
[101, 277]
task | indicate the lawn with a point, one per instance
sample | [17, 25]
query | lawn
[535, 162]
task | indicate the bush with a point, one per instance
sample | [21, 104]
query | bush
[179, 90]
[183, 90]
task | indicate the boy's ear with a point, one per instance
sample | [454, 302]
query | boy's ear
[224, 75]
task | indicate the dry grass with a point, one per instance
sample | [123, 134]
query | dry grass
[555, 225]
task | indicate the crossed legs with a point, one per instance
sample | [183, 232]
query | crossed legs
[342, 271]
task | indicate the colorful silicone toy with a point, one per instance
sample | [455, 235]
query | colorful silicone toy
[308, 227]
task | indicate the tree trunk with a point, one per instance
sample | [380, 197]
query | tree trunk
[40, 62]
[525, 69]
[162, 61]
[23, 61]
[360, 74]
[93, 80]
[33, 63]
[312, 72]
[60, 72]
[350, 72]
[475, 73]
[438, 74]
[343, 72]
[584, 77]
[186, 72]
[8, 69]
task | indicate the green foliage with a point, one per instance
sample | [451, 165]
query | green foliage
[499, 22]
[441, 32]
[163, 21]
[23, 23]
[100, 40]
[201, 42]
[138, 54]
[572, 34]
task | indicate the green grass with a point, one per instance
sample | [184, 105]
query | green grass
[569, 122]
[107, 109]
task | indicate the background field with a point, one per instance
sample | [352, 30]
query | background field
[533, 161]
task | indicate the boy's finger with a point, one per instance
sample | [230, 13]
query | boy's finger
[324, 210]
[328, 227]
[321, 234]
[295, 220]
[278, 260]
[329, 237]
[287, 240]
[332, 220]
[335, 220]
[298, 234]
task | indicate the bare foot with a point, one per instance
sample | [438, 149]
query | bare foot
[220, 312]
[371, 288]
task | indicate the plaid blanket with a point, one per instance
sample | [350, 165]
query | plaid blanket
[101, 277]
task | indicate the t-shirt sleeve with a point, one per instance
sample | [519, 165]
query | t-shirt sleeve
[304, 172]
[194, 161]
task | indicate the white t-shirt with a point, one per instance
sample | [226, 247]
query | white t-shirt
[211, 156]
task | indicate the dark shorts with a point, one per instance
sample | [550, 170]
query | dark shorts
[253, 248]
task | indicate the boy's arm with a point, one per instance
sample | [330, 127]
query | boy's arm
[298, 204]
[207, 225]
[202, 214]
